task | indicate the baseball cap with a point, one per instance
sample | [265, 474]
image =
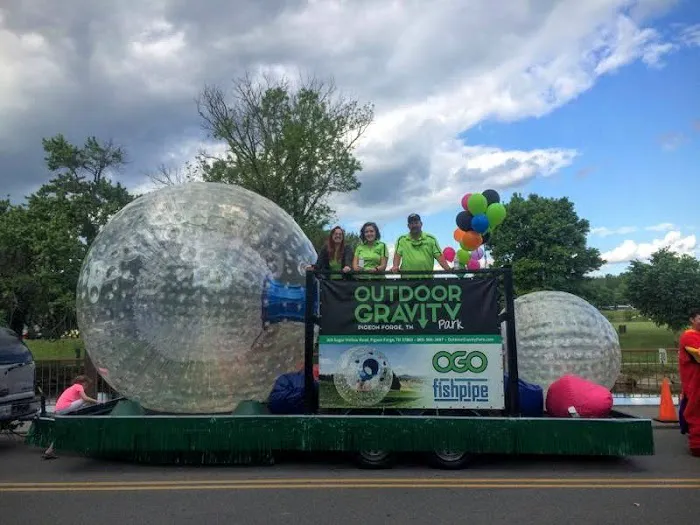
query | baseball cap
[413, 217]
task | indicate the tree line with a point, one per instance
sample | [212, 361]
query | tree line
[296, 146]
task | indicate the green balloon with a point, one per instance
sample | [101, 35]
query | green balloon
[477, 204]
[463, 255]
[495, 213]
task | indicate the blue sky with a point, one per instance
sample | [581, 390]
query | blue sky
[590, 99]
[635, 178]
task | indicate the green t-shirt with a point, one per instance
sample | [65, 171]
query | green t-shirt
[418, 254]
[371, 255]
[335, 266]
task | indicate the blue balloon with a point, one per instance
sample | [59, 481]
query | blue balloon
[480, 223]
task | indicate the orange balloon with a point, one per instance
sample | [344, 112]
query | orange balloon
[471, 240]
[459, 235]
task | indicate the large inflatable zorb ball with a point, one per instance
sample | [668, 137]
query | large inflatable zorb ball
[363, 376]
[558, 333]
[191, 299]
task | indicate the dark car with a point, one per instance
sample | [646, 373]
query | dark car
[18, 399]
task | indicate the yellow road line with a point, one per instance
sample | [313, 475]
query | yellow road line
[347, 484]
[476, 486]
[378, 480]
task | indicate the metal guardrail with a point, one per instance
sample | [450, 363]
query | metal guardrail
[54, 376]
[643, 371]
[641, 374]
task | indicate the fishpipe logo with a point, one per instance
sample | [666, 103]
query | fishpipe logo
[459, 390]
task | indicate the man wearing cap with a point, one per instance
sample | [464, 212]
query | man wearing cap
[417, 250]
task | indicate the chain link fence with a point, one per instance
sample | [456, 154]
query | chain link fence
[641, 375]
[54, 376]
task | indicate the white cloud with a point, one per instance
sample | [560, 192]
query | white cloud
[132, 69]
[607, 232]
[672, 141]
[455, 169]
[604, 231]
[630, 250]
[690, 35]
[662, 227]
[626, 42]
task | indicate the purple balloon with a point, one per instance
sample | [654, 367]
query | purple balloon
[477, 254]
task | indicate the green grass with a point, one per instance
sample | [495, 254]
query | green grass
[645, 335]
[622, 316]
[47, 350]
[641, 334]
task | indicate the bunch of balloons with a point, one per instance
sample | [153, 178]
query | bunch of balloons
[481, 214]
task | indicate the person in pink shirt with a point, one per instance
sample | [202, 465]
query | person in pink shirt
[72, 398]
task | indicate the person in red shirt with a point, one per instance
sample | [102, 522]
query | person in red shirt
[689, 368]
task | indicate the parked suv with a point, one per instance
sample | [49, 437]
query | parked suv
[18, 399]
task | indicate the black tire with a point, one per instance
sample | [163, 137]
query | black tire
[374, 459]
[450, 460]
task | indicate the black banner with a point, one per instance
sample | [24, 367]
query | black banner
[409, 307]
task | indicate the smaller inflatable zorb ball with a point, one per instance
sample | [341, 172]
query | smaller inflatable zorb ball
[363, 376]
[557, 334]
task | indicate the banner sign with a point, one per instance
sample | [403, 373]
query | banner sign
[410, 343]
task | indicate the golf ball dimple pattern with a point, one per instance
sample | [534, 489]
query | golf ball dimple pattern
[558, 333]
[363, 376]
[170, 298]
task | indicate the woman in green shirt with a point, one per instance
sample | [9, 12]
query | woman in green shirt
[372, 254]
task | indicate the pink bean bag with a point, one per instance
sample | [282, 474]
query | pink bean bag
[588, 398]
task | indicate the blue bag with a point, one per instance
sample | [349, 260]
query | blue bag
[531, 398]
[288, 394]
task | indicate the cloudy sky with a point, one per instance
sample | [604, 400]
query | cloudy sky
[595, 100]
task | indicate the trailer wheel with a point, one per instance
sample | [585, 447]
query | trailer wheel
[450, 459]
[374, 459]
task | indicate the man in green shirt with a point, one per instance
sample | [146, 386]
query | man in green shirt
[417, 250]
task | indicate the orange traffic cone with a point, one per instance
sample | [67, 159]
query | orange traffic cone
[667, 411]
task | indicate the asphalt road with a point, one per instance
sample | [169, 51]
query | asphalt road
[540, 490]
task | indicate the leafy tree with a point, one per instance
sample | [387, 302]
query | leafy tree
[43, 242]
[82, 186]
[293, 146]
[605, 291]
[40, 258]
[666, 288]
[545, 242]
[319, 237]
[16, 281]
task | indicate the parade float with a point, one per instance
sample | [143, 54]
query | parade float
[197, 306]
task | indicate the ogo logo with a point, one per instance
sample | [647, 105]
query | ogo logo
[460, 362]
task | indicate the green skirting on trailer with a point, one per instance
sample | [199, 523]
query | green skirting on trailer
[254, 438]
[41, 432]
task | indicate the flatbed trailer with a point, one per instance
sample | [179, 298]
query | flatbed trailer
[449, 438]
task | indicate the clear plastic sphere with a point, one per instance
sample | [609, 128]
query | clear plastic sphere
[191, 299]
[363, 376]
[558, 333]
